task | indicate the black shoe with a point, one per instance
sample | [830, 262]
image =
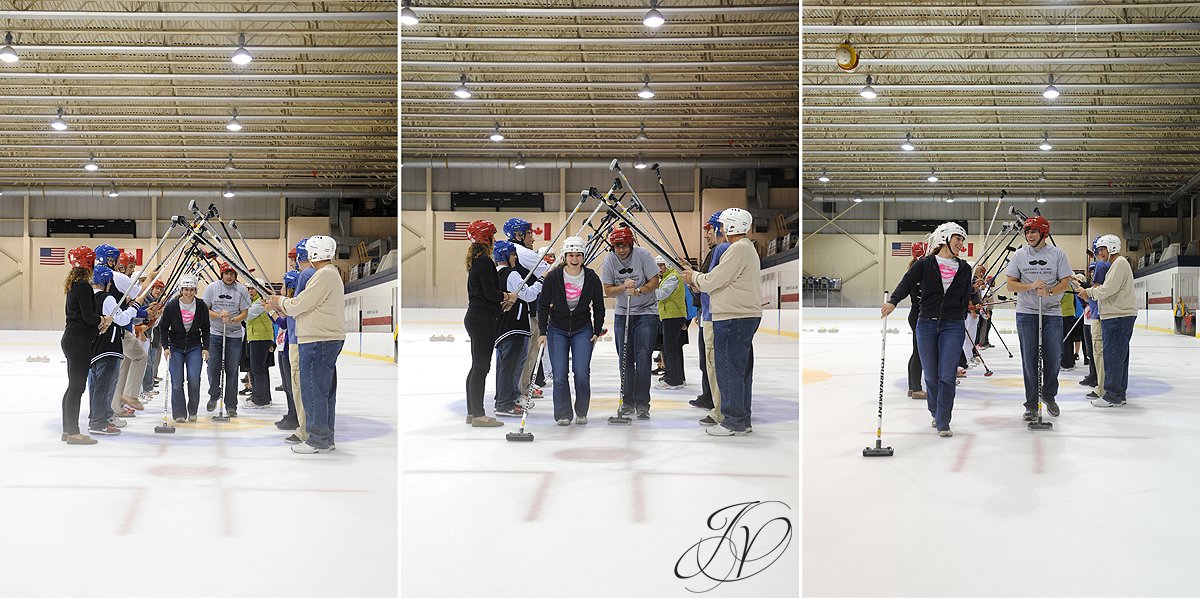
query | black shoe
[1052, 407]
[279, 388]
[657, 372]
[624, 410]
[643, 412]
[287, 424]
[231, 412]
[293, 439]
[1093, 395]
[210, 406]
[708, 421]
[1087, 382]
[1030, 415]
[701, 403]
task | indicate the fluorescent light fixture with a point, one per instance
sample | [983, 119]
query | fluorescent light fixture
[234, 124]
[933, 177]
[7, 53]
[1045, 146]
[907, 145]
[58, 124]
[461, 91]
[91, 165]
[228, 192]
[407, 15]
[653, 18]
[824, 178]
[496, 134]
[868, 91]
[241, 56]
[1051, 91]
[646, 92]
[520, 165]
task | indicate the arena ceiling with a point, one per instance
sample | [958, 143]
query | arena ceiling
[561, 78]
[148, 89]
[966, 81]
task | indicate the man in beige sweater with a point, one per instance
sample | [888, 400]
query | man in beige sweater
[735, 294]
[320, 331]
[1117, 315]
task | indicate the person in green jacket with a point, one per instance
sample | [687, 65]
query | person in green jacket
[672, 313]
[260, 332]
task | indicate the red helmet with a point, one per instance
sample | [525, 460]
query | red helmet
[158, 284]
[225, 267]
[1037, 223]
[292, 253]
[82, 257]
[126, 259]
[919, 249]
[620, 235]
[481, 231]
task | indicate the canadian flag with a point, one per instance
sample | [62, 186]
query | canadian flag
[970, 249]
[543, 231]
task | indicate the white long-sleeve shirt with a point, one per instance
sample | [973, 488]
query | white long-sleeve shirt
[529, 260]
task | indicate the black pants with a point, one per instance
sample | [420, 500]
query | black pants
[1069, 338]
[1087, 351]
[672, 352]
[985, 326]
[481, 327]
[260, 377]
[78, 351]
[914, 360]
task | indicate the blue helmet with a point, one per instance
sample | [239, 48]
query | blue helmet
[102, 275]
[516, 226]
[107, 253]
[290, 279]
[714, 221]
[501, 250]
[302, 250]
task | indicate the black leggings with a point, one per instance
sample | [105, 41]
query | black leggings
[914, 361]
[78, 351]
[481, 327]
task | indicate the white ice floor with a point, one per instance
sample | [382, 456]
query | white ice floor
[211, 510]
[595, 510]
[1102, 505]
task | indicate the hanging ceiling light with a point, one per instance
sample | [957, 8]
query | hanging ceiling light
[907, 144]
[653, 18]
[461, 91]
[933, 178]
[1051, 91]
[641, 162]
[949, 197]
[229, 163]
[241, 56]
[407, 15]
[228, 192]
[1042, 176]
[234, 124]
[496, 134]
[646, 92]
[857, 197]
[58, 124]
[824, 178]
[112, 191]
[867, 91]
[91, 165]
[520, 165]
[1045, 146]
[641, 136]
[7, 53]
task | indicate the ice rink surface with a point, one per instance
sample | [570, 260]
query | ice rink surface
[211, 510]
[594, 510]
[1102, 505]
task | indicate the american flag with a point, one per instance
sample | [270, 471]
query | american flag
[454, 231]
[902, 249]
[52, 256]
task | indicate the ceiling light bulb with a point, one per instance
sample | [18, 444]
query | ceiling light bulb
[933, 178]
[112, 191]
[857, 198]
[407, 15]
[949, 197]
[646, 92]
[653, 18]
[824, 178]
[1042, 176]
[461, 91]
[228, 192]
[520, 165]
[1046, 142]
[7, 53]
[641, 163]
[229, 164]
[496, 134]
[907, 144]
[1051, 91]
[641, 136]
[91, 165]
[868, 91]
[234, 124]
[241, 56]
[58, 124]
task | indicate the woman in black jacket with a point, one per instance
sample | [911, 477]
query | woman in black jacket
[485, 301]
[571, 315]
[945, 282]
[184, 328]
[82, 326]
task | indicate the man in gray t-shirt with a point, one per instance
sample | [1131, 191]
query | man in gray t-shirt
[1039, 274]
[228, 305]
[630, 274]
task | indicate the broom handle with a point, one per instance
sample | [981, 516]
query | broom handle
[882, 358]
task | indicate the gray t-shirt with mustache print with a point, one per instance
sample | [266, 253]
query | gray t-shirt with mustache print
[1049, 264]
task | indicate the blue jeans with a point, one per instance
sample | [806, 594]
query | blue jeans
[578, 345]
[153, 357]
[1116, 332]
[191, 359]
[223, 356]
[510, 356]
[102, 383]
[318, 389]
[733, 350]
[940, 344]
[643, 333]
[1052, 333]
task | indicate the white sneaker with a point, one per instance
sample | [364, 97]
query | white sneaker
[581, 420]
[722, 431]
[118, 422]
[1102, 402]
[564, 422]
[662, 385]
[305, 448]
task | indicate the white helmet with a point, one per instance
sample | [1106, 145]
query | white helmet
[1110, 242]
[320, 248]
[736, 221]
[658, 259]
[572, 245]
[187, 281]
[941, 235]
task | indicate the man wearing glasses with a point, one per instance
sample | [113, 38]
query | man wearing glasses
[630, 274]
